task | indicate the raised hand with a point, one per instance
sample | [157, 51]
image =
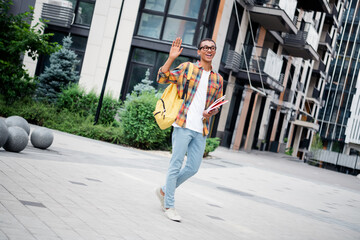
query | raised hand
[175, 49]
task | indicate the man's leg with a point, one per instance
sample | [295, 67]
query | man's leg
[194, 157]
[180, 141]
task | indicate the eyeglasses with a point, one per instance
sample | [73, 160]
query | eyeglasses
[207, 48]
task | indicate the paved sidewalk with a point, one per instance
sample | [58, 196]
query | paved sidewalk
[85, 189]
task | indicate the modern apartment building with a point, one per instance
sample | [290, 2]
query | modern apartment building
[340, 118]
[274, 56]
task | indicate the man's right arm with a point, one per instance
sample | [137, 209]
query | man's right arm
[175, 51]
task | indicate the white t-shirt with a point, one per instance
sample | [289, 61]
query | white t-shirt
[194, 115]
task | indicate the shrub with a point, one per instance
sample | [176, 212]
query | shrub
[47, 115]
[76, 100]
[211, 145]
[138, 123]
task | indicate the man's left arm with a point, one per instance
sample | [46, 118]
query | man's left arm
[218, 94]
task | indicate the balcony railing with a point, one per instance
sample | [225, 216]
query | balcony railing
[262, 60]
[314, 5]
[303, 44]
[316, 94]
[320, 66]
[277, 15]
[299, 86]
[58, 13]
[288, 94]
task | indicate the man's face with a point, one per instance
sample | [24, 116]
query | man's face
[207, 51]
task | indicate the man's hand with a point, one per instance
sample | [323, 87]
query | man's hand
[175, 51]
[211, 113]
[176, 48]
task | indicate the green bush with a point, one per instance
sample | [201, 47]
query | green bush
[138, 123]
[76, 100]
[211, 145]
[47, 115]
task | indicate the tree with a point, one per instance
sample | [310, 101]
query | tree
[145, 84]
[17, 38]
[59, 75]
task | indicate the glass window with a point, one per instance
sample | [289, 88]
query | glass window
[84, 13]
[144, 56]
[141, 61]
[168, 19]
[137, 73]
[179, 28]
[187, 8]
[150, 25]
[155, 5]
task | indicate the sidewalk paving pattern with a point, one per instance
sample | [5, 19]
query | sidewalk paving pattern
[80, 188]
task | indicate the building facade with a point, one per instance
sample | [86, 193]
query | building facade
[339, 119]
[274, 56]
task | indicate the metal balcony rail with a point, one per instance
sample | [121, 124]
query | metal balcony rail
[316, 94]
[289, 6]
[308, 36]
[320, 66]
[57, 15]
[288, 94]
[299, 86]
[269, 63]
[233, 61]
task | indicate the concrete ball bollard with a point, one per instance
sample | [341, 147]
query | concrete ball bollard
[19, 122]
[17, 140]
[4, 132]
[41, 138]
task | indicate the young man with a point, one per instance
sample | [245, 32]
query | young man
[192, 123]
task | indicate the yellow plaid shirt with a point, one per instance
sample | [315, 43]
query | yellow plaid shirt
[178, 76]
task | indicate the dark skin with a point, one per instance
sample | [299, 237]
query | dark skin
[206, 57]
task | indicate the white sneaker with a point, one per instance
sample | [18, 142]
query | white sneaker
[161, 197]
[172, 214]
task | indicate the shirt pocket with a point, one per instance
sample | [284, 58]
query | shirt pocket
[214, 87]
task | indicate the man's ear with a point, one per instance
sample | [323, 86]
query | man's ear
[198, 52]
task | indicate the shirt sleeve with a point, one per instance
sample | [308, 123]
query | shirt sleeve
[171, 76]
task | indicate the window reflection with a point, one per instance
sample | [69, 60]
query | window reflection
[179, 28]
[187, 8]
[155, 5]
[84, 13]
[150, 25]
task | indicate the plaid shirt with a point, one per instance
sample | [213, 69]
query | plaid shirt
[179, 76]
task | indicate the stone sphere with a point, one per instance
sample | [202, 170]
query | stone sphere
[19, 122]
[4, 132]
[17, 140]
[41, 138]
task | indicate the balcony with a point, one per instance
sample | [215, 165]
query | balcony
[325, 42]
[58, 13]
[276, 15]
[307, 121]
[261, 65]
[314, 5]
[332, 18]
[314, 96]
[319, 69]
[288, 95]
[303, 44]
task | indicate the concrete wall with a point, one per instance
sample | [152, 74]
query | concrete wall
[102, 31]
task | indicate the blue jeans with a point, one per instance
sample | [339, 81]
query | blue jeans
[183, 141]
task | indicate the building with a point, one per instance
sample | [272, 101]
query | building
[339, 119]
[274, 56]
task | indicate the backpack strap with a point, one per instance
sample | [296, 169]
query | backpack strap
[188, 76]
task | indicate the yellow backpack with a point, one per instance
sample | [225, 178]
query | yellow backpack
[168, 106]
